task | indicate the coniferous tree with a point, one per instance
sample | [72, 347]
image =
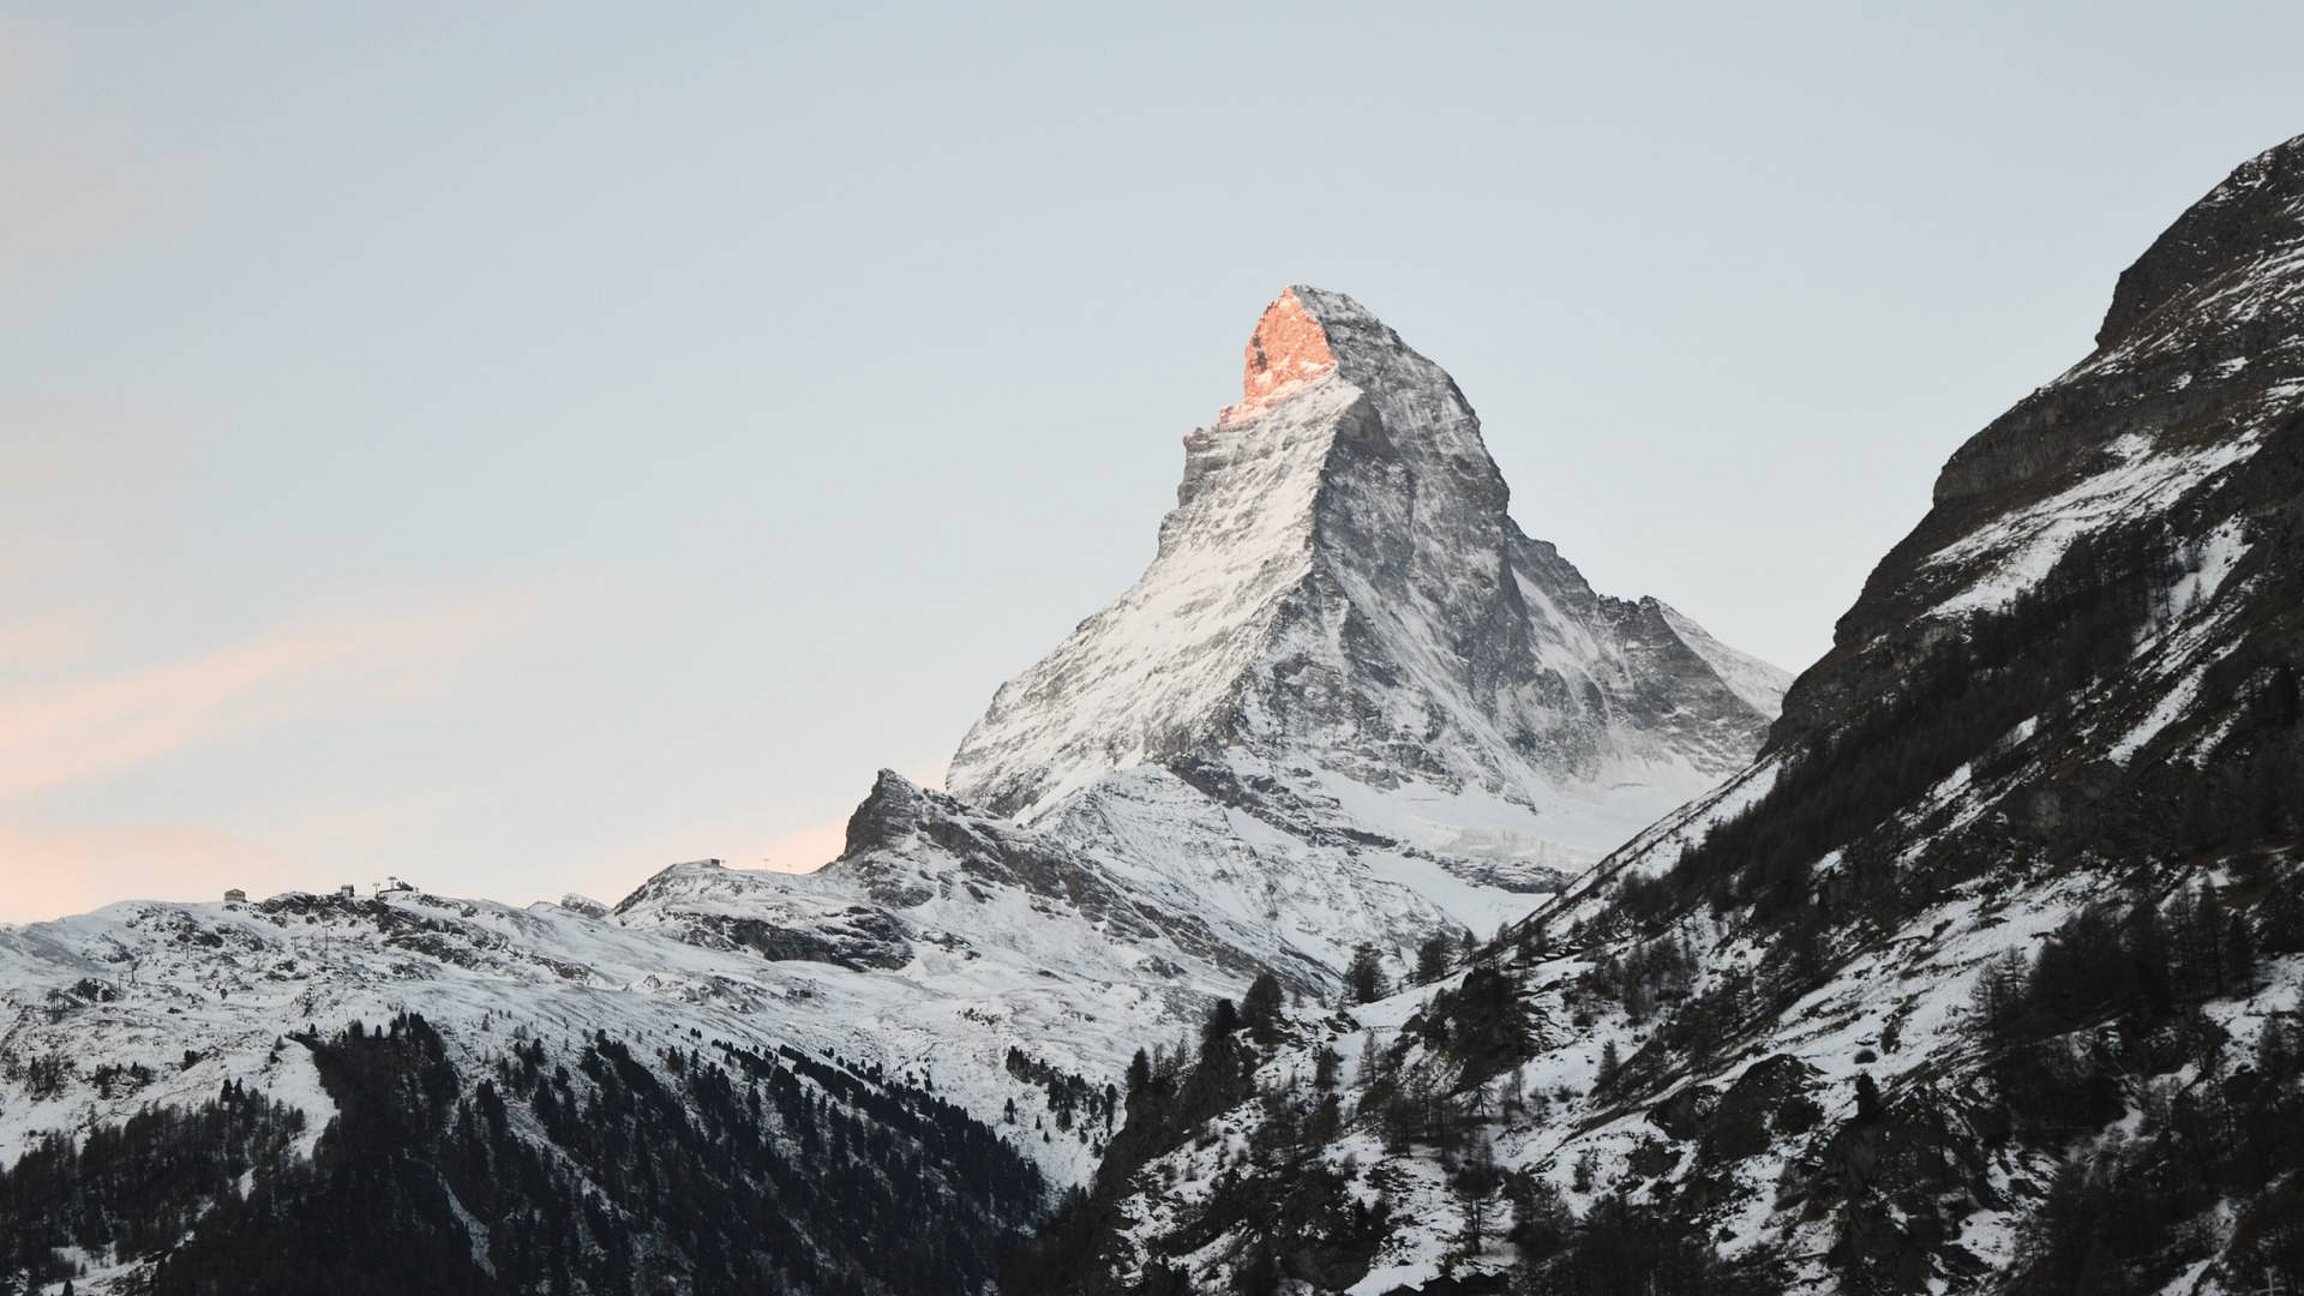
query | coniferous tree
[1223, 1020]
[1475, 1183]
[1365, 975]
[1260, 1008]
[1432, 958]
[1869, 1107]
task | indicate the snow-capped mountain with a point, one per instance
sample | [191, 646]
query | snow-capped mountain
[407, 1092]
[1983, 977]
[1350, 706]
[1344, 630]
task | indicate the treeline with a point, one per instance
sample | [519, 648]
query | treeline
[1617, 1248]
[2123, 1219]
[1293, 1214]
[2072, 628]
[1436, 956]
[1273, 1189]
[134, 1188]
[2142, 975]
[582, 1166]
[1070, 1097]
[2104, 1022]
[1961, 703]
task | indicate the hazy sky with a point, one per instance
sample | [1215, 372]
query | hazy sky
[520, 447]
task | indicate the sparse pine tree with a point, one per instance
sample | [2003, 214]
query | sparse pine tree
[1260, 1008]
[1371, 1061]
[1997, 997]
[1476, 1182]
[1512, 1098]
[1223, 1020]
[1432, 959]
[1325, 1064]
[1870, 1109]
[1365, 975]
[2239, 956]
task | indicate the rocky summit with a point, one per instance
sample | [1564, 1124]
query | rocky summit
[1344, 630]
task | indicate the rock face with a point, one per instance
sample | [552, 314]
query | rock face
[2155, 441]
[1288, 349]
[1343, 616]
[1950, 988]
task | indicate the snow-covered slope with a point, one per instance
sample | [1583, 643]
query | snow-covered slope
[1342, 617]
[197, 994]
[942, 939]
[1985, 976]
[146, 1006]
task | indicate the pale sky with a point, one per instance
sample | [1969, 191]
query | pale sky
[519, 447]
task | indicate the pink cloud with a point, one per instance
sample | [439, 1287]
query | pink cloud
[49, 872]
[804, 850]
[53, 736]
[58, 734]
[808, 848]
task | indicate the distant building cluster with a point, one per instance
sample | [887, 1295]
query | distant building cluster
[348, 891]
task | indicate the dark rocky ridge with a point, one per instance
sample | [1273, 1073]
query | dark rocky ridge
[2212, 294]
[2254, 210]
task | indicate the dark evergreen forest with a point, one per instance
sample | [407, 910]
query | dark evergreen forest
[573, 1167]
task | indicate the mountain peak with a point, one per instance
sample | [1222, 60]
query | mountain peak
[886, 816]
[1340, 603]
[1288, 349]
[1308, 333]
[2237, 231]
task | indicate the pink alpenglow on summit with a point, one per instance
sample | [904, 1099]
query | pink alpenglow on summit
[1289, 348]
